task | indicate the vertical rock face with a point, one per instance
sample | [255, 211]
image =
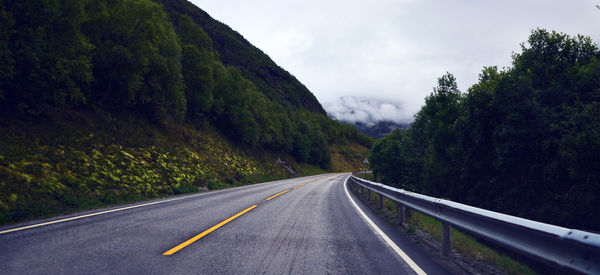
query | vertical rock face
[275, 82]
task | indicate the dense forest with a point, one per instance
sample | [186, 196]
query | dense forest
[107, 101]
[524, 140]
[131, 56]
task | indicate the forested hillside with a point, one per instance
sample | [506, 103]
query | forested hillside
[276, 83]
[76, 75]
[525, 140]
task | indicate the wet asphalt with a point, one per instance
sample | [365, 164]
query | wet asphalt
[312, 229]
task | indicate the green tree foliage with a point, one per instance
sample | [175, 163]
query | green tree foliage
[137, 61]
[524, 141]
[236, 104]
[47, 57]
[242, 109]
[437, 122]
[247, 115]
[387, 160]
[301, 149]
[6, 56]
[320, 154]
[130, 56]
[198, 66]
[276, 83]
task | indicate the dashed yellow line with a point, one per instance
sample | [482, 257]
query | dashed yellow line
[280, 193]
[300, 185]
[307, 183]
[206, 232]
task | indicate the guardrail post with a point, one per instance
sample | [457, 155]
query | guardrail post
[401, 212]
[380, 205]
[446, 238]
[369, 195]
[574, 250]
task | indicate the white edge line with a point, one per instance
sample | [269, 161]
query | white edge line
[93, 214]
[383, 236]
[127, 207]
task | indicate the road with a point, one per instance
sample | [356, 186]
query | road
[312, 228]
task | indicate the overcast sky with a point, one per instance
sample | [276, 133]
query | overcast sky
[394, 50]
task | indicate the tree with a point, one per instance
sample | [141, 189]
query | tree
[387, 159]
[435, 124]
[320, 154]
[47, 52]
[198, 77]
[522, 141]
[199, 60]
[234, 106]
[7, 70]
[481, 116]
[137, 61]
[301, 149]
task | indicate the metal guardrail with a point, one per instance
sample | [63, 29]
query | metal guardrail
[553, 245]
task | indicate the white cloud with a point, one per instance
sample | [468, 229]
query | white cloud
[367, 110]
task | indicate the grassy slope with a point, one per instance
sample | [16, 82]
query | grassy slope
[72, 160]
[347, 156]
[80, 160]
[467, 245]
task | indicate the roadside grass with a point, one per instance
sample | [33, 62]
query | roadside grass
[79, 161]
[466, 244]
[309, 170]
[461, 242]
[347, 156]
[368, 176]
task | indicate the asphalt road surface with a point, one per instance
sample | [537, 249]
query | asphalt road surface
[313, 228]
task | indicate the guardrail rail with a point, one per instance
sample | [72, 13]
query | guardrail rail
[553, 245]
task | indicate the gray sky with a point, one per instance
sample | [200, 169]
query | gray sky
[394, 50]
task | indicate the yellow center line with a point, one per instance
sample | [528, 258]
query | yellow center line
[300, 185]
[271, 197]
[308, 182]
[206, 232]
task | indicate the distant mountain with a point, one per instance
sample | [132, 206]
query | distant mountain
[379, 129]
[371, 116]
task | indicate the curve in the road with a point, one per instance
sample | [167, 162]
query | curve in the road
[313, 228]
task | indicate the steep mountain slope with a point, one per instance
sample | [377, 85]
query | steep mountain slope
[275, 82]
[106, 101]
